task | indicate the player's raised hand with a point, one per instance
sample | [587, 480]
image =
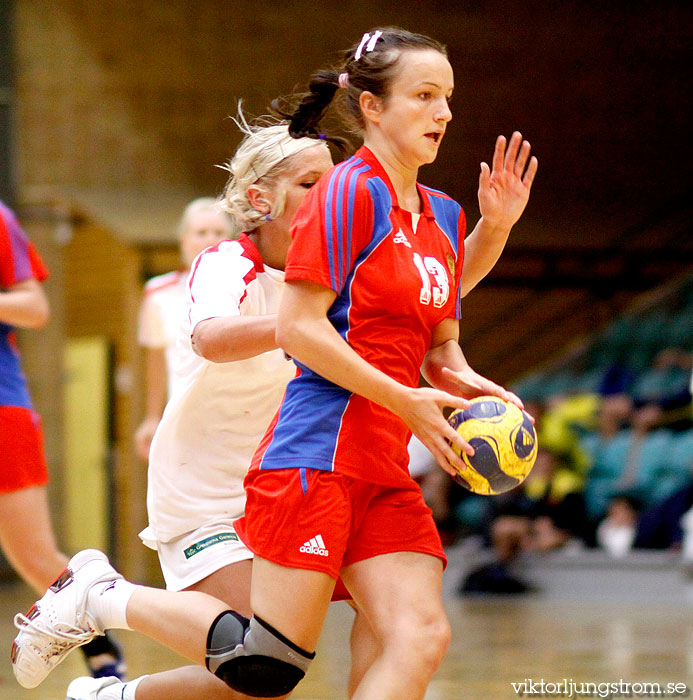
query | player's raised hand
[504, 189]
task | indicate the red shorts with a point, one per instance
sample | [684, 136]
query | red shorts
[22, 463]
[323, 521]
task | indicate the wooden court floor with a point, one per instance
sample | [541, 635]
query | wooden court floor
[495, 643]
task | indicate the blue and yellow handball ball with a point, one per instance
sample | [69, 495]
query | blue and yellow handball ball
[504, 442]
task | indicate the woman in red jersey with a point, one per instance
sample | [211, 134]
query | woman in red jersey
[373, 282]
[374, 276]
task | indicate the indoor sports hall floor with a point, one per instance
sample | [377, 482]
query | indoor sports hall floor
[496, 642]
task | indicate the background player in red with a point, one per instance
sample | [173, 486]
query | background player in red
[26, 532]
[329, 493]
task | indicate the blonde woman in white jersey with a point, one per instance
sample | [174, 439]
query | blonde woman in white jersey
[227, 392]
[229, 388]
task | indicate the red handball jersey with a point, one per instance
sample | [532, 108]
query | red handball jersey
[394, 284]
[19, 262]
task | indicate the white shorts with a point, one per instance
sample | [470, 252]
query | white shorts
[195, 555]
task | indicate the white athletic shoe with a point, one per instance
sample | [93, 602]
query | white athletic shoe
[59, 622]
[87, 688]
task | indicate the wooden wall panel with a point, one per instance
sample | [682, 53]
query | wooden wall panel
[102, 294]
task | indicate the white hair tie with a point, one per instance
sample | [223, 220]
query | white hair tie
[343, 80]
[367, 44]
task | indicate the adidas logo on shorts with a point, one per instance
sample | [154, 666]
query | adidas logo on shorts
[315, 545]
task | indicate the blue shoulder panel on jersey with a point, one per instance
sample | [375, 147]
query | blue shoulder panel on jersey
[16, 240]
[337, 220]
[382, 227]
[447, 213]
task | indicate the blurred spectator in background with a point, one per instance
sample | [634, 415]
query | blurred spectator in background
[616, 380]
[644, 420]
[643, 459]
[552, 501]
[662, 526]
[202, 225]
[616, 532]
[605, 448]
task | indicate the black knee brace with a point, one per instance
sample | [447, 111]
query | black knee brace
[251, 657]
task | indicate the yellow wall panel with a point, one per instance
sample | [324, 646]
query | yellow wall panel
[86, 477]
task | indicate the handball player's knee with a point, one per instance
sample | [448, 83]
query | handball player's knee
[434, 643]
[253, 658]
[441, 635]
[423, 641]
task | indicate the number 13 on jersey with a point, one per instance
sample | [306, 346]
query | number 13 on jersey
[440, 291]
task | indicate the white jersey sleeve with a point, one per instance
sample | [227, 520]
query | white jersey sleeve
[218, 282]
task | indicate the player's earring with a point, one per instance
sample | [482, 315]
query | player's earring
[268, 217]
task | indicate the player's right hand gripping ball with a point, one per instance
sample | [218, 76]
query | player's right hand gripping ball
[504, 441]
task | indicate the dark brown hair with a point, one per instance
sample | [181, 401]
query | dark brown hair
[372, 72]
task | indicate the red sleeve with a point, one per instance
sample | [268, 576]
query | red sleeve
[37, 266]
[19, 260]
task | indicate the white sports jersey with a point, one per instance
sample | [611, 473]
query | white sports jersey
[215, 419]
[165, 301]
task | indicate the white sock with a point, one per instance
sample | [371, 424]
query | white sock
[120, 691]
[108, 601]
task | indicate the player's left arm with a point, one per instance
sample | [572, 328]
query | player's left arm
[219, 330]
[24, 304]
[232, 338]
[446, 368]
[503, 195]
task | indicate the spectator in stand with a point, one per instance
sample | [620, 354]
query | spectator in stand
[564, 421]
[616, 532]
[664, 525]
[606, 447]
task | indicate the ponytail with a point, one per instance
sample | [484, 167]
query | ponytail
[304, 120]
